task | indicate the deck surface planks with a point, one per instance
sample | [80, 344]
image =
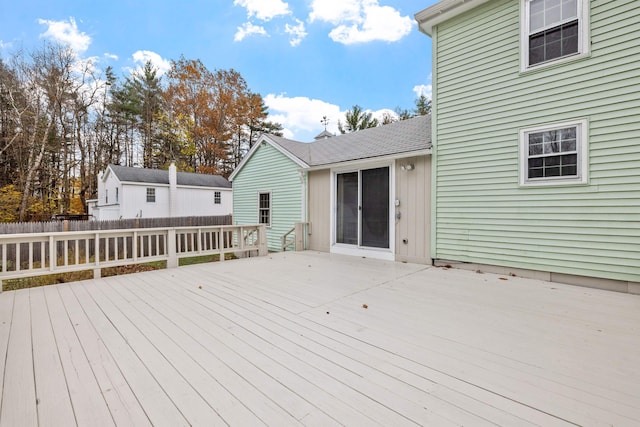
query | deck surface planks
[318, 339]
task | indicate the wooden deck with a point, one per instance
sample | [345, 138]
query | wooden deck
[314, 339]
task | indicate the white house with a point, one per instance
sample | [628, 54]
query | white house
[126, 192]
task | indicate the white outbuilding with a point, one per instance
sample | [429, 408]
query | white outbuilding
[129, 192]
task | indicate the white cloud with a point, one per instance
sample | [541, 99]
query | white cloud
[142, 56]
[248, 29]
[424, 89]
[67, 32]
[5, 45]
[302, 115]
[111, 56]
[380, 114]
[297, 32]
[335, 11]
[361, 21]
[264, 10]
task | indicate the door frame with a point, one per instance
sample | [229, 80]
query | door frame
[357, 250]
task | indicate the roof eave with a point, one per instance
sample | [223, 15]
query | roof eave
[386, 157]
[441, 11]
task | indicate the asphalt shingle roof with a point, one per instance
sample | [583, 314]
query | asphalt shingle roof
[396, 138]
[158, 176]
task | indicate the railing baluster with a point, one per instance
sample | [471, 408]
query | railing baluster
[43, 264]
[18, 257]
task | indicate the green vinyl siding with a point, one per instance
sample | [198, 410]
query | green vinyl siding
[483, 100]
[268, 170]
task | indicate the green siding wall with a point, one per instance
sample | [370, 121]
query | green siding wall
[482, 215]
[268, 170]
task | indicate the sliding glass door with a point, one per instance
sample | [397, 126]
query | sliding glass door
[362, 202]
[347, 204]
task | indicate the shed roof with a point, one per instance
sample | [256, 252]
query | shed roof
[400, 137]
[159, 176]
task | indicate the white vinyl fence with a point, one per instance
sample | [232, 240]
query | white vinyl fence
[37, 254]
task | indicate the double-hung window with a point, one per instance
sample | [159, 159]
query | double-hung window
[554, 154]
[151, 195]
[264, 208]
[553, 30]
[217, 198]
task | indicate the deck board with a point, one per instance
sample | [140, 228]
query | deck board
[286, 340]
[54, 401]
[123, 404]
[19, 394]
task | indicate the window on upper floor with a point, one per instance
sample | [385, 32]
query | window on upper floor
[217, 197]
[264, 208]
[554, 154]
[553, 30]
[106, 197]
[151, 195]
[117, 195]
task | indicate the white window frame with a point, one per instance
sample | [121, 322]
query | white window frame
[151, 194]
[106, 196]
[583, 37]
[270, 209]
[117, 195]
[582, 163]
[217, 197]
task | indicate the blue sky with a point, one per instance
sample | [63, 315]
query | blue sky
[307, 58]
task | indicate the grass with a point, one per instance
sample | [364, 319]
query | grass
[52, 279]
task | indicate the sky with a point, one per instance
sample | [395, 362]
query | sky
[307, 58]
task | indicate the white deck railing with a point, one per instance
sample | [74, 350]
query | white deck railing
[294, 238]
[37, 254]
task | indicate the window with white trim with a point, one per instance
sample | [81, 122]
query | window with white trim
[264, 208]
[117, 195]
[151, 195]
[217, 197]
[554, 154]
[106, 196]
[553, 30]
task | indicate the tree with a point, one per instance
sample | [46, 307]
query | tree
[144, 90]
[357, 119]
[219, 113]
[423, 106]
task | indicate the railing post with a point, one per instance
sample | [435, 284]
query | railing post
[263, 249]
[97, 271]
[172, 260]
[299, 236]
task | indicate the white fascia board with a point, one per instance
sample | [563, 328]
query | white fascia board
[441, 11]
[386, 158]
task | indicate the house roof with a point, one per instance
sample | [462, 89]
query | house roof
[159, 176]
[443, 10]
[405, 136]
[324, 134]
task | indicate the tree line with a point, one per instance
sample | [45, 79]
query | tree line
[62, 121]
[359, 119]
